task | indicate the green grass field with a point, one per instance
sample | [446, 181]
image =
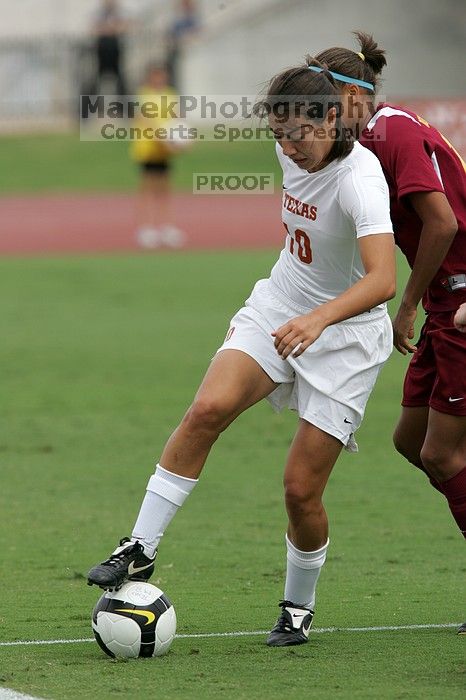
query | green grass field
[99, 357]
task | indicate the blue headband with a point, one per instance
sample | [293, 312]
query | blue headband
[344, 78]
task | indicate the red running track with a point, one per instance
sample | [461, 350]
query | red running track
[39, 225]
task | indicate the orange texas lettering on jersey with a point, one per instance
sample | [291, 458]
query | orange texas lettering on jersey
[295, 206]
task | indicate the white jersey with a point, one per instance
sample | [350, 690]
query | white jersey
[324, 214]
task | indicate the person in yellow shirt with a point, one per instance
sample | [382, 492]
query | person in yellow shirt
[154, 158]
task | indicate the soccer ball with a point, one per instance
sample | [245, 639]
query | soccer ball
[137, 620]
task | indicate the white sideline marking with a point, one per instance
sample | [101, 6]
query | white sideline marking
[256, 633]
[7, 694]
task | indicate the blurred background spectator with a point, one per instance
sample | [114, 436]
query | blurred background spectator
[109, 30]
[185, 25]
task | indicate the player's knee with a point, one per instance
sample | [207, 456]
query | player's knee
[400, 443]
[406, 448]
[440, 462]
[206, 415]
[300, 499]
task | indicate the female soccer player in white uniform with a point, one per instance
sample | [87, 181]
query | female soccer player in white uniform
[312, 336]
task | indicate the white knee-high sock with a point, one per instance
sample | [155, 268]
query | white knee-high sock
[166, 492]
[302, 572]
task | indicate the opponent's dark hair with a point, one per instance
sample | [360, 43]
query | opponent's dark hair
[350, 63]
[288, 89]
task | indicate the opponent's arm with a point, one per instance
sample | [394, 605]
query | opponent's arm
[460, 318]
[377, 285]
[439, 227]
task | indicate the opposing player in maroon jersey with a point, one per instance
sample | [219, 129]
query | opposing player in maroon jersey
[427, 183]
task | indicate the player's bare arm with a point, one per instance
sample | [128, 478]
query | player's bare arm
[439, 227]
[377, 286]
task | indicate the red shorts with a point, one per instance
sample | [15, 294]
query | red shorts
[436, 375]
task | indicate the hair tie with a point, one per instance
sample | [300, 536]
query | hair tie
[361, 56]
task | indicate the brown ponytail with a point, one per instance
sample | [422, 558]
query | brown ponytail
[373, 56]
[367, 67]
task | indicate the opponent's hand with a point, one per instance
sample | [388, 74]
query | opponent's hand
[460, 318]
[295, 336]
[403, 329]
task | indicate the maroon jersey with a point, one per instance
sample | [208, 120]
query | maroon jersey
[415, 157]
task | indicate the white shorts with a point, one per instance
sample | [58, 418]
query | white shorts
[330, 383]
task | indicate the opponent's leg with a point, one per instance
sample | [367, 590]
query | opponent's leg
[410, 433]
[310, 461]
[444, 457]
[233, 382]
[409, 437]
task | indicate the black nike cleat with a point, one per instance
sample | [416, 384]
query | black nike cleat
[127, 563]
[462, 629]
[293, 626]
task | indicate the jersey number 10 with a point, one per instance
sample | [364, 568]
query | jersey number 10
[303, 245]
